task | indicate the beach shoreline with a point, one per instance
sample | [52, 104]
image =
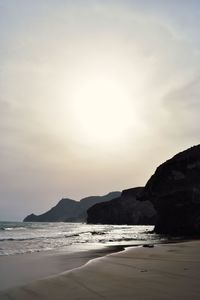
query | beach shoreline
[166, 271]
[21, 269]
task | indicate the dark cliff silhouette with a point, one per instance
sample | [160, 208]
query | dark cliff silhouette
[123, 210]
[68, 210]
[174, 190]
[170, 200]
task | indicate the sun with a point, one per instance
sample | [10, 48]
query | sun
[101, 111]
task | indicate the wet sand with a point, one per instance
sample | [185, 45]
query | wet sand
[17, 270]
[170, 271]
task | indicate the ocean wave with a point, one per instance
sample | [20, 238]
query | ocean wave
[46, 237]
[72, 235]
[16, 239]
[11, 228]
[19, 238]
[15, 228]
[85, 233]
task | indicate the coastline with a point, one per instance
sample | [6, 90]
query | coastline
[22, 269]
[167, 271]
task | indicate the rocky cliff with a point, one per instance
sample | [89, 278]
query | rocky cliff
[174, 190]
[68, 210]
[123, 210]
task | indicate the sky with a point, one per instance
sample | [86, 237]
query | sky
[95, 95]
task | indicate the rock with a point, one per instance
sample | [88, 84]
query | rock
[65, 209]
[148, 245]
[123, 210]
[68, 210]
[174, 190]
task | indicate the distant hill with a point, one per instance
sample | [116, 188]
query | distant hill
[123, 210]
[68, 210]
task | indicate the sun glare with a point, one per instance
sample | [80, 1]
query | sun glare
[101, 111]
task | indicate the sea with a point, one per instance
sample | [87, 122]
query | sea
[21, 238]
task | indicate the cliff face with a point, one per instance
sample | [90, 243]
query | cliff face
[174, 190]
[123, 210]
[68, 210]
[65, 209]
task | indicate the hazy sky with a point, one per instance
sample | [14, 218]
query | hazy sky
[94, 95]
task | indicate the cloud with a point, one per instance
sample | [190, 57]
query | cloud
[183, 107]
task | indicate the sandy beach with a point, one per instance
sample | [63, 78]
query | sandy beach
[165, 272]
[18, 270]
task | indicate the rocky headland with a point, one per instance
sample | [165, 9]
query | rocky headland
[68, 210]
[125, 209]
[170, 200]
[174, 190]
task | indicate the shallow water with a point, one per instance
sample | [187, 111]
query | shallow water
[19, 238]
